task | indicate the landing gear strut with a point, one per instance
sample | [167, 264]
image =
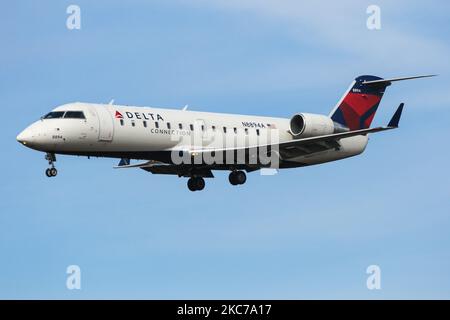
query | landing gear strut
[237, 177]
[51, 172]
[196, 183]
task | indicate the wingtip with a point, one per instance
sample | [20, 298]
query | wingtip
[430, 75]
[396, 117]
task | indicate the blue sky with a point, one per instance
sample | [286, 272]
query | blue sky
[304, 233]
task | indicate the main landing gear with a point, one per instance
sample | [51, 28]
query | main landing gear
[237, 177]
[196, 183]
[51, 172]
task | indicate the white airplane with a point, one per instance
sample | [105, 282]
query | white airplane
[193, 144]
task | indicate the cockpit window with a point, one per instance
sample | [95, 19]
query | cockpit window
[54, 115]
[74, 115]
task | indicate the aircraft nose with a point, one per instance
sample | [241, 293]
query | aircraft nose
[25, 137]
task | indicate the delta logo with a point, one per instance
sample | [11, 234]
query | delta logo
[139, 116]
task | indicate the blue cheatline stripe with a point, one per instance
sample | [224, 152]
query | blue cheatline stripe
[338, 117]
[367, 114]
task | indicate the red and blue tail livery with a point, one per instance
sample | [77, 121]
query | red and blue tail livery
[359, 104]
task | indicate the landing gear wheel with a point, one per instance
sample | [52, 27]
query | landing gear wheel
[199, 183]
[53, 172]
[232, 178]
[196, 183]
[241, 177]
[237, 177]
[191, 184]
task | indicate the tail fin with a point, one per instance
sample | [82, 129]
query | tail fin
[358, 106]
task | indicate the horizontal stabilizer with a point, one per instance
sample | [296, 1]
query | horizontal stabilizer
[388, 81]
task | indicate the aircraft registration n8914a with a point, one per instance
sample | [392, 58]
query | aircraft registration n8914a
[193, 144]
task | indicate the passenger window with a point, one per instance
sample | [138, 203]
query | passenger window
[168, 125]
[54, 115]
[145, 124]
[133, 124]
[224, 129]
[235, 130]
[213, 128]
[74, 115]
[191, 127]
[246, 131]
[180, 126]
[121, 122]
[257, 132]
[156, 125]
[203, 127]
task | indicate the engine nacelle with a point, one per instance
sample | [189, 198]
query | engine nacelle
[303, 125]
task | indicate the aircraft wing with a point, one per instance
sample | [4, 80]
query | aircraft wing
[321, 143]
[294, 148]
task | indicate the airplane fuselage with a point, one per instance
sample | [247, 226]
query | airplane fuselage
[154, 133]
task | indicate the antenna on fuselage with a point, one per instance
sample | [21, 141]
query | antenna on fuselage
[111, 102]
[185, 107]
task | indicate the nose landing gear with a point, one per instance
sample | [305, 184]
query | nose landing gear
[51, 172]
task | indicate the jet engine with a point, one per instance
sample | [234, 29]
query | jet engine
[303, 125]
